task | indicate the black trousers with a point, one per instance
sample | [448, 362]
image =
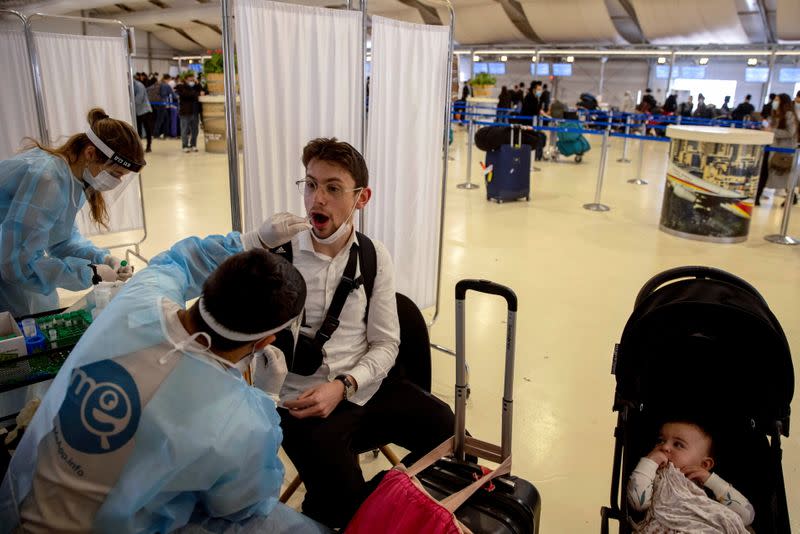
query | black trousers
[325, 451]
[148, 121]
[762, 177]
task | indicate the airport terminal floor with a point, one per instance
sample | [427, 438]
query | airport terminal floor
[576, 274]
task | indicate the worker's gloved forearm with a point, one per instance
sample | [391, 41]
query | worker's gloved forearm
[277, 230]
[269, 371]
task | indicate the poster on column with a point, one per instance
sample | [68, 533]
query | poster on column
[710, 189]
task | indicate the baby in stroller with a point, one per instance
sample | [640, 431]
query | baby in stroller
[666, 484]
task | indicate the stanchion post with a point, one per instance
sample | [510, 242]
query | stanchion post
[782, 238]
[470, 134]
[624, 158]
[640, 164]
[535, 123]
[596, 205]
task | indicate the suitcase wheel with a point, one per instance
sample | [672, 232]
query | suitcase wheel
[578, 158]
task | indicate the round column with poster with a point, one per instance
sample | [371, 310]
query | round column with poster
[711, 181]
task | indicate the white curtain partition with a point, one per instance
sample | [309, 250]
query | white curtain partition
[308, 85]
[17, 105]
[78, 73]
[404, 149]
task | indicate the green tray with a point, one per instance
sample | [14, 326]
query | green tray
[68, 327]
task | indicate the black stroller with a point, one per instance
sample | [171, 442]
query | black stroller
[716, 328]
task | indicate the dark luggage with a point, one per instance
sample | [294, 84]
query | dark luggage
[511, 504]
[508, 170]
[493, 137]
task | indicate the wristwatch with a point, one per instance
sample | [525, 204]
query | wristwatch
[349, 387]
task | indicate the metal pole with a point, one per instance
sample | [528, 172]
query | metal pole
[127, 33]
[768, 86]
[362, 213]
[624, 158]
[596, 205]
[535, 124]
[38, 93]
[445, 143]
[230, 115]
[470, 134]
[601, 85]
[671, 70]
[782, 238]
[640, 164]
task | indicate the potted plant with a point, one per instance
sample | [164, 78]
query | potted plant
[482, 84]
[213, 69]
[213, 105]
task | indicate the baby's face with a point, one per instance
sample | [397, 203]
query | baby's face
[684, 444]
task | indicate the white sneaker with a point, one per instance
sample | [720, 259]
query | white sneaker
[161, 136]
[194, 149]
[186, 149]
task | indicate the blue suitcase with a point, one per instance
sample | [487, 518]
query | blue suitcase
[510, 175]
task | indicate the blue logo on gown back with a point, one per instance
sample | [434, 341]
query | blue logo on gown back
[102, 408]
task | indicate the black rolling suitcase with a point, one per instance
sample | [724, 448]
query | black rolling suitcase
[510, 504]
[510, 175]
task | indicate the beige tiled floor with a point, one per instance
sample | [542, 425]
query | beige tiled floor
[576, 274]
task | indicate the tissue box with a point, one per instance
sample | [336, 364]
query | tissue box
[10, 347]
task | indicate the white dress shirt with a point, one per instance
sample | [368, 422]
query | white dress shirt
[364, 349]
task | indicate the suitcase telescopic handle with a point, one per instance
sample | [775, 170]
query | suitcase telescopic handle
[493, 453]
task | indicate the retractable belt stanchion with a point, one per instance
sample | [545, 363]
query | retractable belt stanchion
[624, 158]
[782, 238]
[470, 134]
[596, 205]
[640, 164]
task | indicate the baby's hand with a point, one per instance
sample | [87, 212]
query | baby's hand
[658, 456]
[696, 474]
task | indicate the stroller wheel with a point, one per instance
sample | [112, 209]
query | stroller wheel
[578, 158]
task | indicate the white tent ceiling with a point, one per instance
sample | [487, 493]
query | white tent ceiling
[193, 26]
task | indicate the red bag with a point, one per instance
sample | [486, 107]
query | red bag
[400, 505]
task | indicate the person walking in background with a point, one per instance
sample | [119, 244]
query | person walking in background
[544, 103]
[503, 104]
[766, 109]
[671, 103]
[797, 104]
[784, 124]
[166, 97]
[745, 109]
[685, 108]
[144, 112]
[189, 110]
[628, 105]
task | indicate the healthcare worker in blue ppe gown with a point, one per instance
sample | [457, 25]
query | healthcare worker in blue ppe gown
[41, 191]
[149, 421]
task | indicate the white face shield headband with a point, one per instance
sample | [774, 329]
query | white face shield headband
[113, 157]
[293, 324]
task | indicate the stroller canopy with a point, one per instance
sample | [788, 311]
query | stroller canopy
[703, 337]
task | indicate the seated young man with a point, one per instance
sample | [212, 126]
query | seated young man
[149, 420]
[344, 404]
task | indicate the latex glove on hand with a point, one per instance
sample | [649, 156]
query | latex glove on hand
[268, 369]
[124, 272]
[106, 273]
[277, 230]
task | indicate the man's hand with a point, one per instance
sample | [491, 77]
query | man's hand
[696, 474]
[318, 401]
[658, 456]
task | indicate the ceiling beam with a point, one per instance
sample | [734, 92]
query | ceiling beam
[212, 27]
[626, 5]
[428, 14]
[211, 14]
[182, 33]
[769, 34]
[517, 15]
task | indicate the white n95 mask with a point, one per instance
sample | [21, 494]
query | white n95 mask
[102, 182]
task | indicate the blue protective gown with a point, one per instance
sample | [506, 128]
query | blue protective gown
[135, 434]
[40, 246]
